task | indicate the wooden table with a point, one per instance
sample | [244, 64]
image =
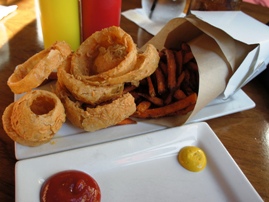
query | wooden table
[244, 134]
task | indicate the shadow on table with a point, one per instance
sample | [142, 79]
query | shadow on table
[264, 78]
[17, 50]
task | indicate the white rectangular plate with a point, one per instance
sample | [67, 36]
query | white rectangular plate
[221, 107]
[145, 168]
[70, 137]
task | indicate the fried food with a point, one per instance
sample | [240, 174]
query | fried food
[168, 109]
[83, 92]
[171, 69]
[6, 120]
[37, 68]
[92, 118]
[98, 71]
[34, 118]
[126, 121]
[172, 89]
[104, 54]
[110, 57]
[91, 81]
[146, 64]
[90, 86]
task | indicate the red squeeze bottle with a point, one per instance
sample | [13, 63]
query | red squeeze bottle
[99, 14]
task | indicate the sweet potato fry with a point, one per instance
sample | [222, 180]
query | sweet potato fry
[180, 79]
[129, 88]
[168, 109]
[185, 47]
[185, 85]
[162, 55]
[188, 56]
[183, 111]
[151, 89]
[142, 106]
[171, 69]
[163, 67]
[179, 61]
[169, 98]
[126, 122]
[193, 66]
[143, 82]
[172, 89]
[160, 79]
[155, 100]
[135, 95]
[179, 94]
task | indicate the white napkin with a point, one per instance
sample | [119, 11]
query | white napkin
[5, 10]
[139, 17]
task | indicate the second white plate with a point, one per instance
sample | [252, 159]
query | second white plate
[145, 168]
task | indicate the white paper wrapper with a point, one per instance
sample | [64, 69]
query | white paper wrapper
[246, 44]
[230, 49]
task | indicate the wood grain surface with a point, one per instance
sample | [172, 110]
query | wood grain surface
[244, 134]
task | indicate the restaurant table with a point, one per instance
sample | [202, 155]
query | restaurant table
[244, 134]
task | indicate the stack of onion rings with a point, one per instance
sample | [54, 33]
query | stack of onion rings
[91, 81]
[91, 86]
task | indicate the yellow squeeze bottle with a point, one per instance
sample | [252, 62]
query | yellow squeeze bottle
[60, 22]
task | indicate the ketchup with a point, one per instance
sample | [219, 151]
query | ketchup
[70, 186]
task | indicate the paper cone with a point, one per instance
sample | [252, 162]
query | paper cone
[219, 56]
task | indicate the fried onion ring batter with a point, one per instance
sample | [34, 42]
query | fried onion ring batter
[87, 93]
[34, 118]
[105, 54]
[99, 117]
[103, 64]
[110, 57]
[37, 68]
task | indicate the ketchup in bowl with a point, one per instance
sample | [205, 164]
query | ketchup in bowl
[70, 185]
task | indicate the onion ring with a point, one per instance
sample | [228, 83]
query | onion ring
[37, 68]
[96, 118]
[34, 118]
[86, 93]
[98, 71]
[6, 118]
[146, 64]
[104, 54]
